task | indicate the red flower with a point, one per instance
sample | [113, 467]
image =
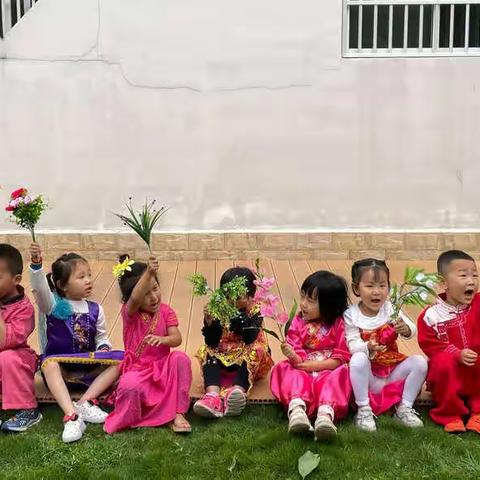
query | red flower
[387, 335]
[18, 193]
[9, 208]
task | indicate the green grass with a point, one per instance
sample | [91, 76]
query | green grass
[258, 441]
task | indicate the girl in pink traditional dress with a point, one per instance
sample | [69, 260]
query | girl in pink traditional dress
[154, 385]
[315, 380]
[381, 376]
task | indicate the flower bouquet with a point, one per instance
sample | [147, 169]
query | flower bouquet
[26, 209]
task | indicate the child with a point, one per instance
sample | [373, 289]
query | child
[314, 380]
[18, 362]
[449, 334]
[77, 349]
[154, 385]
[381, 376]
[239, 351]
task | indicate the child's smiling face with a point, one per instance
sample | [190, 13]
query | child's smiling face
[460, 282]
[373, 289]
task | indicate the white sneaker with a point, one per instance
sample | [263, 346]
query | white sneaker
[408, 417]
[298, 421]
[365, 420]
[90, 413]
[324, 427]
[73, 430]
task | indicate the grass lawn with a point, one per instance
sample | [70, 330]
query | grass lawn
[254, 446]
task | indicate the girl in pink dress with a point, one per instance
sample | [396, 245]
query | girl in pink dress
[315, 380]
[154, 385]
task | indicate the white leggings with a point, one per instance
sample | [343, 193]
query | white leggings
[413, 370]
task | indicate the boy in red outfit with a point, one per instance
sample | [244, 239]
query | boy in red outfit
[18, 362]
[449, 334]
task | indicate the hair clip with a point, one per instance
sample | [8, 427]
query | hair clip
[121, 267]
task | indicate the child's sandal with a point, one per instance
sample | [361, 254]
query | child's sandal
[182, 427]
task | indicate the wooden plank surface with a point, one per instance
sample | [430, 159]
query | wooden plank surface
[177, 291]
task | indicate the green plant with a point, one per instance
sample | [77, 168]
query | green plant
[143, 221]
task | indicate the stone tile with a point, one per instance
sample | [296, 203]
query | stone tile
[170, 241]
[461, 241]
[314, 241]
[206, 241]
[277, 241]
[395, 241]
[240, 241]
[100, 241]
[423, 241]
[350, 241]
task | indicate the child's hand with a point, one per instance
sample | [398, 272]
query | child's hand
[207, 318]
[35, 253]
[288, 351]
[154, 340]
[373, 346]
[153, 265]
[309, 366]
[402, 328]
[468, 357]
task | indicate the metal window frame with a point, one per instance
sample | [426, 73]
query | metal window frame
[405, 51]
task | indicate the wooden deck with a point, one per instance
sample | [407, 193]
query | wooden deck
[177, 292]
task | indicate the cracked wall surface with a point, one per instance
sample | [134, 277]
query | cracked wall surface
[239, 115]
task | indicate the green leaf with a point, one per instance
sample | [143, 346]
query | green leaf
[142, 222]
[291, 316]
[307, 463]
[272, 333]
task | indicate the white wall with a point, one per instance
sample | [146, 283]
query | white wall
[238, 114]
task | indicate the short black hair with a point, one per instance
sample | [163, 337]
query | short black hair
[62, 268]
[449, 256]
[235, 272]
[131, 277]
[12, 257]
[331, 292]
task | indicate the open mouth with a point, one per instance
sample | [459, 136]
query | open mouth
[469, 292]
[376, 301]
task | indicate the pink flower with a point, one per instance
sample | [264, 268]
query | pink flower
[18, 193]
[281, 318]
[27, 199]
[265, 283]
[269, 305]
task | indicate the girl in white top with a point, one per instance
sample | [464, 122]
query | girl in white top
[381, 376]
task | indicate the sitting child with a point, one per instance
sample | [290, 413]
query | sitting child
[240, 351]
[381, 376]
[449, 334]
[154, 385]
[76, 352]
[18, 362]
[314, 380]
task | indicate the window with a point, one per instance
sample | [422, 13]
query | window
[403, 28]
